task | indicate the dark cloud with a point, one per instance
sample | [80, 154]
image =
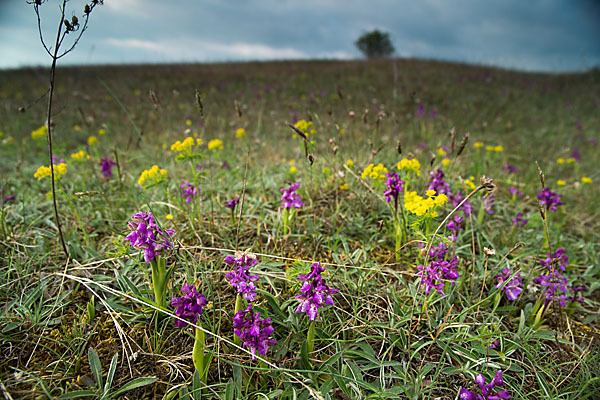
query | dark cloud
[534, 34]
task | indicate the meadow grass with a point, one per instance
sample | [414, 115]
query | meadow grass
[389, 334]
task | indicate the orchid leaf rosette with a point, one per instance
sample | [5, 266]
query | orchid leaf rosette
[314, 294]
[153, 241]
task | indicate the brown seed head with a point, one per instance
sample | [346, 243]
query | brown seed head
[463, 143]
[298, 131]
[238, 109]
[199, 103]
[487, 183]
[154, 99]
[489, 252]
[541, 175]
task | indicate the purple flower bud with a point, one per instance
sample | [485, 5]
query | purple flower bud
[290, 198]
[513, 288]
[437, 182]
[553, 282]
[549, 199]
[486, 390]
[254, 332]
[393, 187]
[189, 306]
[231, 204]
[239, 278]
[434, 275]
[314, 293]
[189, 191]
[510, 168]
[106, 165]
[514, 191]
[519, 220]
[147, 236]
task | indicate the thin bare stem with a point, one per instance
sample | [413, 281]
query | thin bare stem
[237, 235]
[49, 123]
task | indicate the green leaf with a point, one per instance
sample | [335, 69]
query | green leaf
[304, 362]
[197, 385]
[425, 370]
[326, 387]
[355, 372]
[184, 394]
[522, 321]
[111, 372]
[134, 384]
[129, 284]
[229, 390]
[76, 394]
[237, 379]
[273, 302]
[95, 366]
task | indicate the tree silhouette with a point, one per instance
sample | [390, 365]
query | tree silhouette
[375, 44]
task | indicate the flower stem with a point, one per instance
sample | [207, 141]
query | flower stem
[198, 354]
[159, 281]
[310, 338]
[238, 307]
[285, 217]
[398, 228]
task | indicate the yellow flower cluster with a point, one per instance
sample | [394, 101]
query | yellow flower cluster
[377, 173]
[561, 160]
[350, 163]
[305, 126]
[153, 175]
[92, 140]
[80, 155]
[215, 144]
[441, 152]
[424, 205]
[412, 165]
[497, 149]
[185, 146]
[240, 133]
[478, 145]
[586, 180]
[469, 182]
[45, 172]
[39, 133]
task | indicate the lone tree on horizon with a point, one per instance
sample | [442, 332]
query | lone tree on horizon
[375, 44]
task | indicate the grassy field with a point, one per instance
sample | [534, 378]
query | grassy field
[413, 298]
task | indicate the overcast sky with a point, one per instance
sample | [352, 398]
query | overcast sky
[540, 35]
